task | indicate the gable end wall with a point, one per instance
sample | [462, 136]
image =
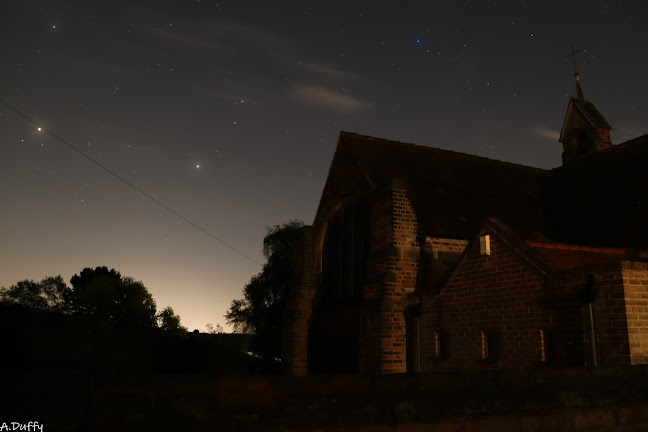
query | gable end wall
[635, 287]
[500, 295]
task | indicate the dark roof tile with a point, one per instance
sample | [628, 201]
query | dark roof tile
[567, 257]
[452, 193]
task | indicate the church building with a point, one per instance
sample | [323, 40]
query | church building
[421, 259]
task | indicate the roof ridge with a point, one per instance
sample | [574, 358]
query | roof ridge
[563, 246]
[605, 154]
[438, 149]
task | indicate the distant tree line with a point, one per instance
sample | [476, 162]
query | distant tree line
[99, 294]
[106, 323]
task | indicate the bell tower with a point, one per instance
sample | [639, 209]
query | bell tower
[584, 129]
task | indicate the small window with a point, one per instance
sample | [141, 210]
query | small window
[436, 345]
[484, 345]
[444, 345]
[543, 346]
[490, 346]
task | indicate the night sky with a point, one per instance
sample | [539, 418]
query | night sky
[228, 113]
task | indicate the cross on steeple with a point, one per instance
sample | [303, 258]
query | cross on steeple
[573, 56]
[578, 86]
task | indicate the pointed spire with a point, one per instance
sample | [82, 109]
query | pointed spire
[584, 129]
[579, 90]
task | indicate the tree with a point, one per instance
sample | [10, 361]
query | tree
[135, 305]
[260, 311]
[105, 295]
[56, 292]
[214, 330]
[48, 294]
[94, 292]
[169, 321]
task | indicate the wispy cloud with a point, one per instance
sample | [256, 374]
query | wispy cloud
[220, 36]
[329, 100]
[328, 71]
[624, 133]
[545, 132]
[249, 62]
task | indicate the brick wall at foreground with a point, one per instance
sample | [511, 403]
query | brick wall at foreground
[566, 400]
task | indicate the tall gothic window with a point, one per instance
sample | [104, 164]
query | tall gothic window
[345, 252]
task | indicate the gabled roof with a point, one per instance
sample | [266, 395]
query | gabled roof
[581, 113]
[452, 193]
[546, 257]
[598, 199]
[550, 256]
[589, 111]
[567, 257]
[514, 241]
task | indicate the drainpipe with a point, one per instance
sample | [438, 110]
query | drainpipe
[418, 336]
[591, 320]
[591, 294]
[418, 344]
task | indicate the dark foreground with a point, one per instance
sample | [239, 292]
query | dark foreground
[606, 399]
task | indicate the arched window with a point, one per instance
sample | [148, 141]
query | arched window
[345, 253]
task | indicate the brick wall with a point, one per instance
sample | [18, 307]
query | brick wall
[610, 320]
[438, 257]
[440, 246]
[608, 310]
[635, 285]
[298, 307]
[492, 304]
[392, 267]
[620, 311]
[504, 312]
[542, 399]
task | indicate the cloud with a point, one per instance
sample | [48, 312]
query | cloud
[328, 71]
[545, 132]
[624, 133]
[219, 36]
[329, 100]
[248, 62]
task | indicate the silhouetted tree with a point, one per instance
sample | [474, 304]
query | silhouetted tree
[135, 305]
[169, 321]
[260, 311]
[105, 295]
[50, 293]
[56, 293]
[214, 330]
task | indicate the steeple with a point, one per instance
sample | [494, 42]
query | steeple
[579, 90]
[584, 129]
